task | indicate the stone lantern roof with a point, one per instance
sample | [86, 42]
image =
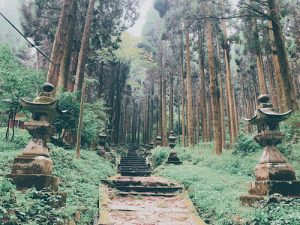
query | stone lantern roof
[265, 117]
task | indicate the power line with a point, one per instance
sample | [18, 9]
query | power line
[32, 45]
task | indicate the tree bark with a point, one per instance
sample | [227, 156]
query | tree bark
[171, 105]
[63, 77]
[202, 91]
[60, 42]
[222, 107]
[164, 114]
[189, 90]
[214, 91]
[288, 87]
[276, 69]
[229, 88]
[80, 121]
[182, 93]
[84, 46]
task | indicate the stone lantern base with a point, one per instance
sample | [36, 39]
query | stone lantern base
[101, 151]
[273, 175]
[173, 158]
[33, 168]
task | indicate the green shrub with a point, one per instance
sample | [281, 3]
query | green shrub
[285, 212]
[94, 118]
[245, 145]
[79, 178]
[159, 156]
[21, 139]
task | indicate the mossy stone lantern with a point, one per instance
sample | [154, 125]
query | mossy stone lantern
[173, 158]
[158, 140]
[273, 173]
[33, 167]
[172, 140]
[102, 142]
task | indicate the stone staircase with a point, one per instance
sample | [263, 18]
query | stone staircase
[143, 186]
[133, 165]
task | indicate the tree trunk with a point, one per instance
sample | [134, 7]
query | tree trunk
[229, 87]
[171, 106]
[214, 91]
[259, 64]
[164, 114]
[222, 107]
[273, 89]
[202, 91]
[80, 121]
[60, 41]
[288, 87]
[182, 93]
[276, 69]
[189, 88]
[84, 46]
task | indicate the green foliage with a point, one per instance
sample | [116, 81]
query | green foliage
[291, 128]
[79, 179]
[21, 139]
[16, 81]
[94, 117]
[216, 182]
[285, 212]
[33, 207]
[67, 123]
[245, 145]
[159, 156]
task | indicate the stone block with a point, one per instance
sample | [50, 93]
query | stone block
[25, 181]
[275, 171]
[32, 165]
[285, 188]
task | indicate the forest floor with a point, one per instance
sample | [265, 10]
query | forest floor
[214, 184]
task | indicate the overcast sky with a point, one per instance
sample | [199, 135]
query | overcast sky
[136, 30]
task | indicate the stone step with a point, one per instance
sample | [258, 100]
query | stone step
[134, 193]
[133, 160]
[133, 164]
[136, 173]
[157, 189]
[137, 182]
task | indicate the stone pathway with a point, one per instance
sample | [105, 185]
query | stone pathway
[145, 201]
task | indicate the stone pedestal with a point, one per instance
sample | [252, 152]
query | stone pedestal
[173, 158]
[101, 151]
[33, 168]
[273, 175]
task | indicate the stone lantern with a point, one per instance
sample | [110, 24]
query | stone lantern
[151, 144]
[172, 140]
[173, 158]
[102, 142]
[158, 140]
[33, 167]
[273, 173]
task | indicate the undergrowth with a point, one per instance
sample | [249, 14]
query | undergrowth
[216, 182]
[79, 178]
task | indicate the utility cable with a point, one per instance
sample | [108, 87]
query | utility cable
[32, 45]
